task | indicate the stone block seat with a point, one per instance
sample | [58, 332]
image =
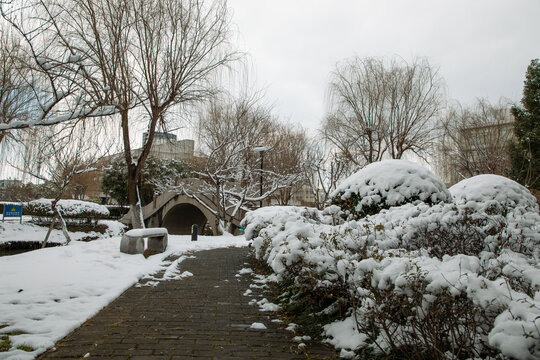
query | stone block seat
[133, 240]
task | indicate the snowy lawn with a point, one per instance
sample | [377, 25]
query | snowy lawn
[46, 294]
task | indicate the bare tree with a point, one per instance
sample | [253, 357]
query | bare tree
[231, 130]
[134, 58]
[413, 104]
[355, 123]
[324, 168]
[228, 129]
[288, 150]
[64, 153]
[54, 90]
[475, 140]
[14, 90]
[380, 108]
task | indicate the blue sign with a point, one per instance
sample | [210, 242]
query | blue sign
[12, 211]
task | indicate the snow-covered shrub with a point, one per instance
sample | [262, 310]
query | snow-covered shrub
[443, 281]
[68, 208]
[388, 183]
[335, 213]
[465, 228]
[296, 243]
[484, 188]
[417, 323]
[415, 306]
[263, 224]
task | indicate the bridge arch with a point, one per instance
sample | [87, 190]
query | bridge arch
[179, 214]
[177, 210]
[181, 217]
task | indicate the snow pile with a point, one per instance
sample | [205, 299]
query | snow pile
[487, 187]
[68, 208]
[461, 278]
[47, 293]
[258, 326]
[388, 183]
[113, 227]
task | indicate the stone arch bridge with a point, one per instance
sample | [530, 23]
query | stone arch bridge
[179, 208]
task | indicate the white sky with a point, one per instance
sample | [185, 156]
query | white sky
[482, 47]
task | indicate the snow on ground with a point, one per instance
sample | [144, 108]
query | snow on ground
[258, 326]
[343, 334]
[47, 293]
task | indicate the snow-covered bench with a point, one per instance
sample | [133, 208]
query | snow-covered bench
[133, 240]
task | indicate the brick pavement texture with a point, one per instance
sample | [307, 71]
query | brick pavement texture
[204, 316]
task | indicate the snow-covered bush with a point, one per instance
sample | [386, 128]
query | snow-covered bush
[467, 228]
[488, 187]
[443, 281]
[449, 308]
[270, 227]
[68, 208]
[388, 183]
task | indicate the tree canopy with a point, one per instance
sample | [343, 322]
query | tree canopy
[525, 151]
[156, 176]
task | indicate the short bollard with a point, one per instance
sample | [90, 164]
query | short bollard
[194, 229]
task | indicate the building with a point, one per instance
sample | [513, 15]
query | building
[474, 150]
[9, 183]
[165, 146]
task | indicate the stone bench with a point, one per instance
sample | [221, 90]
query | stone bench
[133, 240]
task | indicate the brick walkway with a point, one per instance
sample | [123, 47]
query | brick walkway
[204, 316]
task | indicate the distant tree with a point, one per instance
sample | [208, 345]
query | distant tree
[382, 107]
[156, 177]
[525, 151]
[289, 147]
[231, 130]
[114, 181]
[475, 140]
[324, 168]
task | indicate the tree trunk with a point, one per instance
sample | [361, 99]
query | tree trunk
[137, 221]
[44, 243]
[216, 227]
[63, 224]
[58, 216]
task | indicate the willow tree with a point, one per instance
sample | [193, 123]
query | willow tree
[138, 59]
[380, 107]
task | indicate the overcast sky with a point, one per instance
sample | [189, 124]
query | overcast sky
[482, 47]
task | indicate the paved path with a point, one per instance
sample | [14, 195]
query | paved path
[203, 316]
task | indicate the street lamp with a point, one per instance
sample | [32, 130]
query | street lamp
[261, 150]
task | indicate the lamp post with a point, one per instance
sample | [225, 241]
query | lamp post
[261, 150]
